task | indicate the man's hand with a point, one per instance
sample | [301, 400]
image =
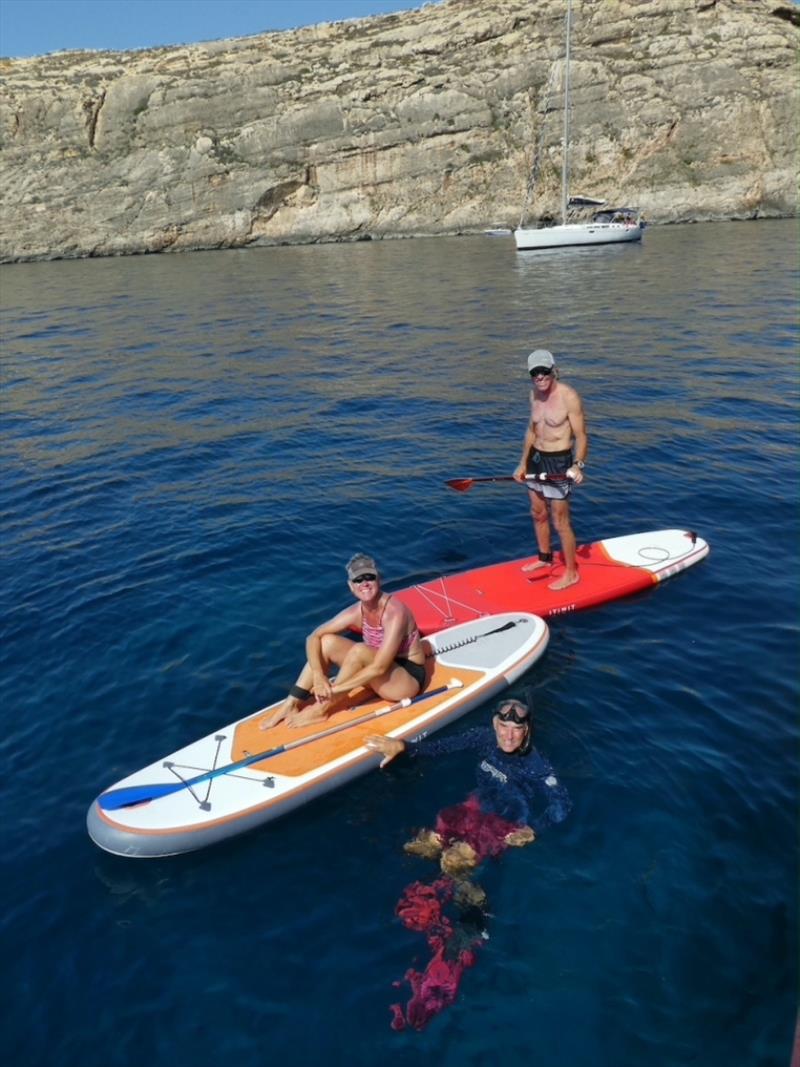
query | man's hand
[523, 836]
[389, 747]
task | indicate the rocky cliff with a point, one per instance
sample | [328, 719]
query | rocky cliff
[426, 122]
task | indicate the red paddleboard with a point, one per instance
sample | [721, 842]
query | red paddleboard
[608, 569]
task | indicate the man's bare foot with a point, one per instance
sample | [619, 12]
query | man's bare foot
[427, 844]
[535, 565]
[459, 858]
[287, 709]
[565, 582]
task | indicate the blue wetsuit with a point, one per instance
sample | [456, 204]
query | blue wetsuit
[522, 789]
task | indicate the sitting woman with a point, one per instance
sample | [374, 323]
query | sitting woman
[390, 659]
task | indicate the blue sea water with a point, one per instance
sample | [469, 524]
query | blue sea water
[191, 448]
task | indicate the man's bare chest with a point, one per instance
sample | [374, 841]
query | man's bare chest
[550, 415]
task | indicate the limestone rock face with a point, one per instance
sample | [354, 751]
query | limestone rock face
[426, 122]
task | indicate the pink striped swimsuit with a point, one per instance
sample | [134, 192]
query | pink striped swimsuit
[373, 635]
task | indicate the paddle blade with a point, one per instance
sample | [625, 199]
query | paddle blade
[127, 796]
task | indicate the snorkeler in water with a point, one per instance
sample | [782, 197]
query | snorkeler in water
[517, 795]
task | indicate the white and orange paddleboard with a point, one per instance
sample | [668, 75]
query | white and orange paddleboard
[607, 570]
[241, 776]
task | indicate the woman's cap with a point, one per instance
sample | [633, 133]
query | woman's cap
[540, 358]
[361, 564]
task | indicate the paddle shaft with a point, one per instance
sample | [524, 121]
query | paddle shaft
[128, 795]
[461, 485]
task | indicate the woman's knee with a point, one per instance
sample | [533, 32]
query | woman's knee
[336, 649]
[358, 656]
[328, 643]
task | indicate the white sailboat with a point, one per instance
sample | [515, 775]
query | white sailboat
[606, 226]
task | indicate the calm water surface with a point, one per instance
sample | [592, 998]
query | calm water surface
[193, 445]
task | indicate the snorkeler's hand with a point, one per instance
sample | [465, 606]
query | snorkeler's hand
[389, 747]
[523, 836]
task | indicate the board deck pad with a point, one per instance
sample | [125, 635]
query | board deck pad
[484, 656]
[609, 569]
[249, 738]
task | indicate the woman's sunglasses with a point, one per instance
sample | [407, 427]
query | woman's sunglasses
[541, 372]
[364, 578]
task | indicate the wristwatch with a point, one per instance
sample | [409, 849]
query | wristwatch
[579, 464]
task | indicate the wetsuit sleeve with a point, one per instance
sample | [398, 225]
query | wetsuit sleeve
[441, 746]
[552, 790]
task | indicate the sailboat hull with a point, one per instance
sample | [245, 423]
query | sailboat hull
[578, 233]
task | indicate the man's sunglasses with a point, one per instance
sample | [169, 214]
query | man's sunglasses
[364, 578]
[515, 714]
[542, 372]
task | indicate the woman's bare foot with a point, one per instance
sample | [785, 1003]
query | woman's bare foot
[459, 858]
[427, 844]
[286, 710]
[314, 713]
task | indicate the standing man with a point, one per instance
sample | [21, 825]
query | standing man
[555, 446]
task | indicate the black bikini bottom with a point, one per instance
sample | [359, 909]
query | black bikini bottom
[417, 670]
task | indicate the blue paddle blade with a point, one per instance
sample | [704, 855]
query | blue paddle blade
[129, 795]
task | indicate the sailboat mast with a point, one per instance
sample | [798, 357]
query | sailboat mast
[565, 154]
